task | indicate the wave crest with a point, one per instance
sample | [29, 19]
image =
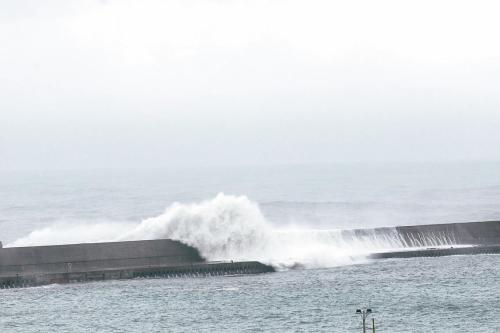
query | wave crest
[226, 227]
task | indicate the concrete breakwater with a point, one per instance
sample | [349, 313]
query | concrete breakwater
[170, 271]
[438, 252]
[425, 235]
[38, 265]
[436, 240]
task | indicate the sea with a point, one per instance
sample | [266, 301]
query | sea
[288, 216]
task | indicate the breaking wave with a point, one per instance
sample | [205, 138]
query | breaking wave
[233, 228]
[229, 228]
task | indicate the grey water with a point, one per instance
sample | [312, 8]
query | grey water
[449, 294]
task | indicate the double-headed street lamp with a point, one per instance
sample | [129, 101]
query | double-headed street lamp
[364, 313]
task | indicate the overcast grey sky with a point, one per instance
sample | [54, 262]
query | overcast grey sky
[86, 84]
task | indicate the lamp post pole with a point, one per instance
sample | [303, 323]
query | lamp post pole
[364, 313]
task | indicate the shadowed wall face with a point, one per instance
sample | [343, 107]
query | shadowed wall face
[88, 257]
[478, 233]
[472, 233]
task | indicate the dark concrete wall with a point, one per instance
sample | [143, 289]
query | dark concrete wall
[438, 252]
[474, 233]
[95, 256]
[468, 233]
[170, 271]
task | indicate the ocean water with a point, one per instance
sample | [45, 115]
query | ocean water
[447, 294]
[282, 215]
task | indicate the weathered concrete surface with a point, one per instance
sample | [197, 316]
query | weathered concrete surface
[95, 256]
[468, 233]
[38, 265]
[484, 238]
[480, 233]
[169, 271]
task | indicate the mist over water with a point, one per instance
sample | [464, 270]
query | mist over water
[287, 217]
[233, 228]
[226, 228]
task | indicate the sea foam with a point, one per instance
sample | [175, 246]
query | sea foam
[227, 227]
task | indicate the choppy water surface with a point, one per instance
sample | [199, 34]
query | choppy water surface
[447, 294]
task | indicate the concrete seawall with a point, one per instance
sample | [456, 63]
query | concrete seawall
[467, 233]
[480, 233]
[95, 256]
[21, 266]
[38, 265]
[435, 252]
[479, 238]
[201, 269]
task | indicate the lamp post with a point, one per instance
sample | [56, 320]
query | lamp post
[364, 313]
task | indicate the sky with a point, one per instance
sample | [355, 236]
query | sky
[139, 84]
